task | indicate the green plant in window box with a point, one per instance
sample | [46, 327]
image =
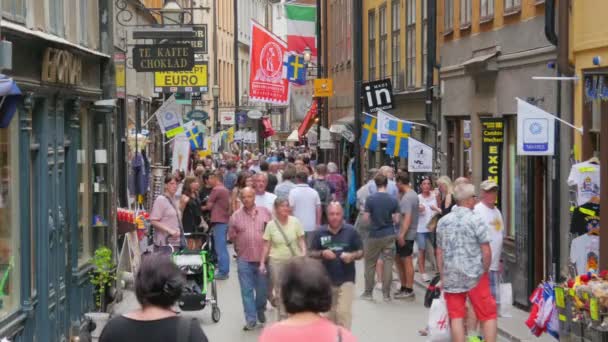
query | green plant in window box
[103, 275]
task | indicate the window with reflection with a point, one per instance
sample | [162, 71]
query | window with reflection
[9, 218]
[100, 179]
[83, 166]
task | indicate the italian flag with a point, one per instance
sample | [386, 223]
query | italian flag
[301, 28]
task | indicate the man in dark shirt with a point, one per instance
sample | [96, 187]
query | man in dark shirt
[230, 176]
[382, 211]
[338, 245]
[219, 204]
[272, 179]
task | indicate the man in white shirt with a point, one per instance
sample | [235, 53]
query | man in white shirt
[487, 210]
[305, 204]
[262, 197]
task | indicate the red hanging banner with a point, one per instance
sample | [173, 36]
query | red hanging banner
[266, 82]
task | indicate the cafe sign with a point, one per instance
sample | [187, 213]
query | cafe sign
[174, 57]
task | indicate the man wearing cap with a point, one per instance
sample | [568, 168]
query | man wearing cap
[463, 258]
[492, 217]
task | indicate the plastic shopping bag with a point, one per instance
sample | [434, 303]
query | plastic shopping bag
[439, 322]
[506, 300]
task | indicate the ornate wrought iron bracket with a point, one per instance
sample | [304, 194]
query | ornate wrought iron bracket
[124, 14]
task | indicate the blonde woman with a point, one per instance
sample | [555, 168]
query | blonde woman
[283, 240]
[445, 198]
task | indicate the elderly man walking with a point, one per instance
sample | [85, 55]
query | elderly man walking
[463, 257]
[246, 230]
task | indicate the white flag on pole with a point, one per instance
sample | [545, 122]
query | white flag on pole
[420, 156]
[535, 130]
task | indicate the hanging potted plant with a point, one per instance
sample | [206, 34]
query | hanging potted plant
[102, 276]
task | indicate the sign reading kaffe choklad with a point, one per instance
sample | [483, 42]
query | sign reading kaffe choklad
[148, 58]
[493, 136]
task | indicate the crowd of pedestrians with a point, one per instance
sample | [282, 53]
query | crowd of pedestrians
[294, 247]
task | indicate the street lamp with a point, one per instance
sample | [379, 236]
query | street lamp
[172, 13]
[307, 55]
[215, 92]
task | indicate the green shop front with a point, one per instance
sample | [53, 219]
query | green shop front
[56, 188]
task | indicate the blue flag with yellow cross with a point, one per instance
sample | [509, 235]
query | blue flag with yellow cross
[398, 136]
[295, 69]
[369, 133]
[194, 135]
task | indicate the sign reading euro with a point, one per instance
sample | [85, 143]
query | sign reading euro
[194, 80]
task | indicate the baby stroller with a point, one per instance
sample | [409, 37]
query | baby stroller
[199, 268]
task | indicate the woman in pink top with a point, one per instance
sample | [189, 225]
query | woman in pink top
[306, 293]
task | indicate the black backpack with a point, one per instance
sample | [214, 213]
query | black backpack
[323, 189]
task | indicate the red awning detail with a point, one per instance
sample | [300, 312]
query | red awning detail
[308, 121]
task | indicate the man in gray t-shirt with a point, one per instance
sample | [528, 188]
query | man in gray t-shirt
[406, 234]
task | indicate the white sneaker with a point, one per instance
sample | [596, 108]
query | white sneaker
[426, 278]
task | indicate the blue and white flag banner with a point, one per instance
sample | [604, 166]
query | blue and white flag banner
[535, 130]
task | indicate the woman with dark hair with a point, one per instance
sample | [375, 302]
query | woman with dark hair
[305, 293]
[164, 217]
[190, 206]
[158, 286]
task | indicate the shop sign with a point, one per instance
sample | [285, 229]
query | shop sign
[348, 135]
[535, 130]
[492, 134]
[241, 118]
[193, 80]
[163, 57]
[227, 118]
[199, 42]
[323, 87]
[378, 95]
[60, 66]
[420, 156]
[198, 115]
[119, 66]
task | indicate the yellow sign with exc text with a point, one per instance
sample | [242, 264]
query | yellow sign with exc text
[195, 80]
[324, 87]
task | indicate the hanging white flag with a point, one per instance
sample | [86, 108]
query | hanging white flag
[420, 156]
[169, 117]
[181, 153]
[535, 130]
[383, 119]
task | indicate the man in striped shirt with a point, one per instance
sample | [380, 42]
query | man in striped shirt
[246, 228]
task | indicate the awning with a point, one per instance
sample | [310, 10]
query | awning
[481, 63]
[308, 121]
[10, 94]
[293, 136]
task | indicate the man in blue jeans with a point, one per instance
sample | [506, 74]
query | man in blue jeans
[219, 204]
[246, 230]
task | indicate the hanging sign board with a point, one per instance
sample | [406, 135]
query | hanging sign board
[193, 80]
[420, 156]
[492, 135]
[535, 130]
[199, 41]
[323, 87]
[378, 95]
[163, 57]
[227, 118]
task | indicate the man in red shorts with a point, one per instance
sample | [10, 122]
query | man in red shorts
[463, 258]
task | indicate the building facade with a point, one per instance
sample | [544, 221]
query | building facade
[224, 54]
[57, 166]
[485, 65]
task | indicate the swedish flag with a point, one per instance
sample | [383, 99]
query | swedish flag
[398, 136]
[230, 132]
[194, 136]
[369, 136]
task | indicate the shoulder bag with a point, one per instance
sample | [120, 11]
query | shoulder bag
[280, 228]
[182, 238]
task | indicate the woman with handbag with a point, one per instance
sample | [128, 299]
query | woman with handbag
[164, 217]
[283, 240]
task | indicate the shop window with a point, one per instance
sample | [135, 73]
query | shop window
[83, 165]
[100, 180]
[14, 10]
[9, 219]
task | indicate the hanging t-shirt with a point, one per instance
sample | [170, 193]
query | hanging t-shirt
[585, 253]
[425, 216]
[585, 219]
[586, 177]
[496, 231]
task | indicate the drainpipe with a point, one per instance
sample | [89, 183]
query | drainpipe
[358, 78]
[556, 174]
[430, 66]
